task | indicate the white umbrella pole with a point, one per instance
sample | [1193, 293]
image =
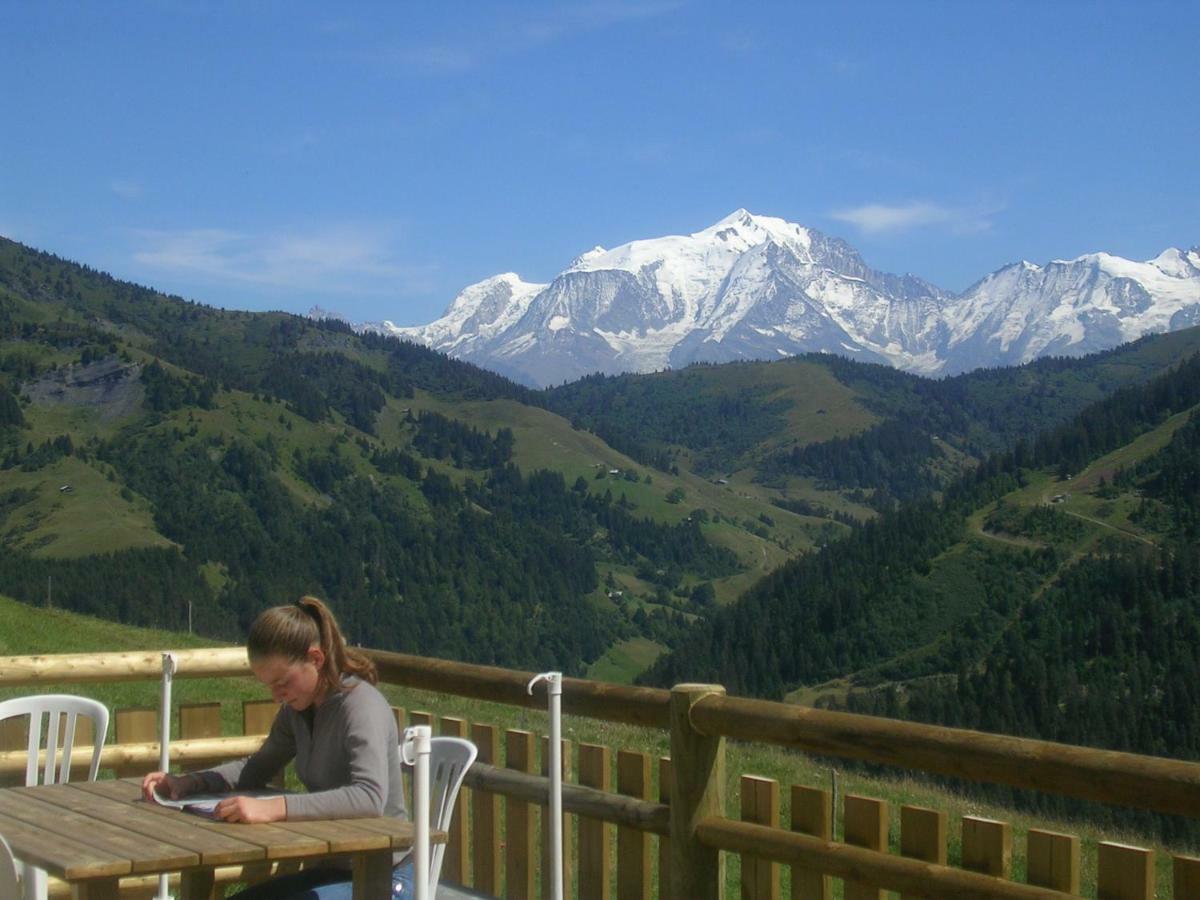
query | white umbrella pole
[421, 735]
[554, 691]
[164, 742]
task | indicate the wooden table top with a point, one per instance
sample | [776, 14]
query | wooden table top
[103, 829]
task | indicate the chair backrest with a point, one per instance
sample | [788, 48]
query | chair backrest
[64, 709]
[8, 870]
[449, 759]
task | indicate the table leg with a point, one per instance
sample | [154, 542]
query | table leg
[196, 884]
[373, 875]
[96, 889]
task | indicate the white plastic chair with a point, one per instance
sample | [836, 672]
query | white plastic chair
[8, 870]
[57, 768]
[449, 759]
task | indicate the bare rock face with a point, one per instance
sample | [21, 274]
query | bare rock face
[111, 387]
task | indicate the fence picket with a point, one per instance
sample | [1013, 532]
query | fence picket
[866, 825]
[257, 716]
[1186, 880]
[199, 720]
[812, 814]
[568, 851]
[664, 843]
[760, 805]
[454, 861]
[1052, 860]
[923, 835]
[595, 879]
[420, 717]
[633, 846]
[518, 820]
[987, 846]
[1124, 872]
[485, 817]
[135, 725]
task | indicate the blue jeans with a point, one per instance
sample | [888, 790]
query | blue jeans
[322, 884]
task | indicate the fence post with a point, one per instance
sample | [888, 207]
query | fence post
[485, 818]
[633, 846]
[865, 823]
[1053, 861]
[697, 792]
[664, 843]
[1124, 872]
[1186, 876]
[760, 805]
[519, 868]
[812, 814]
[923, 835]
[595, 857]
[987, 846]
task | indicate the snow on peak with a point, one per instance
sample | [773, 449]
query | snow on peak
[1173, 262]
[580, 262]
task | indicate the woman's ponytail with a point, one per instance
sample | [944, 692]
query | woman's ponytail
[289, 631]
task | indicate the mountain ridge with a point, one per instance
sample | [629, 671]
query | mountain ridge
[759, 287]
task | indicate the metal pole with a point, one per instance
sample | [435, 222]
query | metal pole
[164, 742]
[554, 691]
[421, 736]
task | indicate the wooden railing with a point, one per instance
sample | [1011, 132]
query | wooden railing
[494, 845]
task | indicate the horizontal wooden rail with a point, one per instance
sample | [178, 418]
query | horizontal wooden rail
[134, 666]
[145, 755]
[595, 699]
[584, 801]
[913, 877]
[1146, 782]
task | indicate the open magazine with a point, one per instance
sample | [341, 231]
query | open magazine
[206, 804]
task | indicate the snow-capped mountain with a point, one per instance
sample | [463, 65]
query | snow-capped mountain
[756, 287]
[1070, 307]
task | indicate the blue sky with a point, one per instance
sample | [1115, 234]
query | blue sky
[376, 158]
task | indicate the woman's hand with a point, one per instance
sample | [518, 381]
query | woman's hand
[252, 811]
[171, 786]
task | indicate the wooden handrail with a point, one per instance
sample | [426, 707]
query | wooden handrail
[596, 699]
[119, 756]
[1155, 783]
[584, 801]
[132, 666]
[1107, 776]
[910, 876]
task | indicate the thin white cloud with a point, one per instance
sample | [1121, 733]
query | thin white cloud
[336, 259]
[882, 218]
[558, 23]
[435, 59]
[126, 189]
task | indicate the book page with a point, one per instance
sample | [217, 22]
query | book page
[206, 804]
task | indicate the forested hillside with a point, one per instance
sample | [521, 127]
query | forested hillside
[1054, 592]
[159, 456]
[868, 431]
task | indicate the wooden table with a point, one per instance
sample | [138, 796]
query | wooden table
[91, 833]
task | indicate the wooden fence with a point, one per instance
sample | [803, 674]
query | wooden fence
[640, 827]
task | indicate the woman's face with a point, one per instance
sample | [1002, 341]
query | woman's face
[296, 683]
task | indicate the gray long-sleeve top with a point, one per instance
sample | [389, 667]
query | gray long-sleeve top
[348, 760]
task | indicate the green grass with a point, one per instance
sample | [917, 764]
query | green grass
[93, 517]
[625, 660]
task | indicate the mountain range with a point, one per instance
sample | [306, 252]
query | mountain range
[758, 287]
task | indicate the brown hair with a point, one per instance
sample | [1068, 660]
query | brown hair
[289, 631]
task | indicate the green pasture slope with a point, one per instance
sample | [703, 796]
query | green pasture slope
[26, 630]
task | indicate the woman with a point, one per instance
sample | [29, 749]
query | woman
[337, 727]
